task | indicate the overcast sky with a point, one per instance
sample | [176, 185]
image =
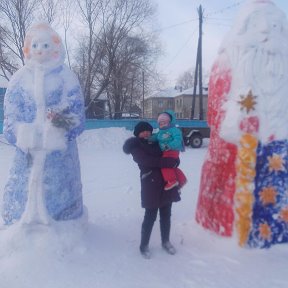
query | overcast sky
[178, 30]
[178, 20]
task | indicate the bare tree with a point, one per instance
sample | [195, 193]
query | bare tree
[67, 8]
[15, 17]
[124, 84]
[115, 48]
[49, 10]
[88, 50]
[186, 79]
[132, 69]
[110, 23]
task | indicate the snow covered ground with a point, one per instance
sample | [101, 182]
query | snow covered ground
[102, 250]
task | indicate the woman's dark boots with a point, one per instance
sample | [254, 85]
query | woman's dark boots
[165, 224]
[147, 226]
[169, 248]
[145, 237]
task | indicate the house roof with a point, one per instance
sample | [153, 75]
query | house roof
[173, 92]
[168, 92]
[190, 91]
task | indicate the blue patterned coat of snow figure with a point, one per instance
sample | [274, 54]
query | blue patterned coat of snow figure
[62, 187]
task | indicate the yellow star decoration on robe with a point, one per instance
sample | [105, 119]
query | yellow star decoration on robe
[265, 231]
[276, 163]
[284, 214]
[268, 196]
[248, 102]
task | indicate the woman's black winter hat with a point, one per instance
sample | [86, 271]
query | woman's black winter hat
[142, 126]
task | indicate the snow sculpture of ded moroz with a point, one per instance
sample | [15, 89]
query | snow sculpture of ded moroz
[43, 115]
[244, 181]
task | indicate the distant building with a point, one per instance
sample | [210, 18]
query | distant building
[97, 108]
[158, 102]
[183, 104]
[177, 100]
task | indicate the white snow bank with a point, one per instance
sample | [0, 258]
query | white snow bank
[103, 251]
[104, 138]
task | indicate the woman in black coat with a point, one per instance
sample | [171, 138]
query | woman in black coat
[153, 196]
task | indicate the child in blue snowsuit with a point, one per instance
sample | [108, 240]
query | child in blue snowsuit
[171, 143]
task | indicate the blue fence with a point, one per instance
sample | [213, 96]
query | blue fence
[130, 123]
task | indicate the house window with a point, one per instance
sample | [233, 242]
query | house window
[160, 103]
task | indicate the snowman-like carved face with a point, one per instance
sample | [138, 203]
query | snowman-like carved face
[264, 26]
[41, 48]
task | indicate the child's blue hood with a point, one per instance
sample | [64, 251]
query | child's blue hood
[172, 114]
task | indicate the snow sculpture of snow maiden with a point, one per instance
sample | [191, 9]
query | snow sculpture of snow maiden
[43, 114]
[244, 182]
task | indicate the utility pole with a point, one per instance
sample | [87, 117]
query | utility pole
[143, 93]
[198, 71]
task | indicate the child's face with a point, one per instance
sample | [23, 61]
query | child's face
[163, 123]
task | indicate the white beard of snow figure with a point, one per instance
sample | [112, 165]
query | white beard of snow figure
[257, 49]
[244, 178]
[43, 114]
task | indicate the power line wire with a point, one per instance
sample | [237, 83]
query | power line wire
[238, 3]
[222, 19]
[182, 47]
[219, 24]
[175, 25]
[221, 11]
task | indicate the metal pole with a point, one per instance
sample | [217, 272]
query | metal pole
[143, 93]
[198, 70]
[200, 64]
[195, 85]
